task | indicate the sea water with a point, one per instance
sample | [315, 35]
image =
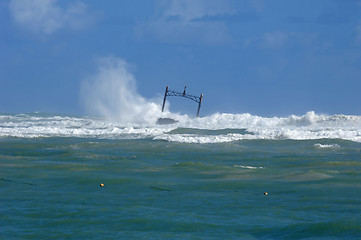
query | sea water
[224, 176]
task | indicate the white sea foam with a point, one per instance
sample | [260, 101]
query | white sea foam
[248, 167]
[200, 130]
[319, 145]
[111, 94]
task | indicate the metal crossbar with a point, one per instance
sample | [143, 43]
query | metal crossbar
[182, 94]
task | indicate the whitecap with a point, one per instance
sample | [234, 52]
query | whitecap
[321, 146]
[248, 167]
[244, 127]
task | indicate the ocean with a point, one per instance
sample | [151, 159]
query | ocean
[223, 176]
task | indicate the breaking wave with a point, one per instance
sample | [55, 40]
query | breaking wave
[122, 113]
[216, 128]
[111, 93]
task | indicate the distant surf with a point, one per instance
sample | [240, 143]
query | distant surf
[216, 128]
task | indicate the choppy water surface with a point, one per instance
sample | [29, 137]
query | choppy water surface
[180, 181]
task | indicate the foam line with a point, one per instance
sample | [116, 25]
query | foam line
[215, 128]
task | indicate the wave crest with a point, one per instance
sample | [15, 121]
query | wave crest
[215, 128]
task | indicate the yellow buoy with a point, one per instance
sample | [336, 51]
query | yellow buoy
[102, 184]
[265, 193]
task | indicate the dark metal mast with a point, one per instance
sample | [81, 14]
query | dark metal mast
[199, 104]
[165, 97]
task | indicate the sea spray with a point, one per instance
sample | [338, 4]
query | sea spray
[112, 93]
[216, 128]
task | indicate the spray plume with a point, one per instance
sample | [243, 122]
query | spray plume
[112, 93]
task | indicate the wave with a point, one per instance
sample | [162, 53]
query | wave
[111, 94]
[248, 167]
[216, 128]
[327, 146]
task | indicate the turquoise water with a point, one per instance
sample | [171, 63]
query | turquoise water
[158, 189]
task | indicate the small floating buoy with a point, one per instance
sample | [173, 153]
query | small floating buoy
[265, 193]
[102, 184]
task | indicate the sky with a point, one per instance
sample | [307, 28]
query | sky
[267, 58]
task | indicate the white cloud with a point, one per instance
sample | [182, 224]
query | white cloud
[182, 21]
[47, 17]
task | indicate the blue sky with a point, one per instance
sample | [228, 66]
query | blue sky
[262, 57]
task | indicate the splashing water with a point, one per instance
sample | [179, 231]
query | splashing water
[112, 93]
[216, 128]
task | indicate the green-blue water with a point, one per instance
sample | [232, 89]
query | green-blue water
[155, 189]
